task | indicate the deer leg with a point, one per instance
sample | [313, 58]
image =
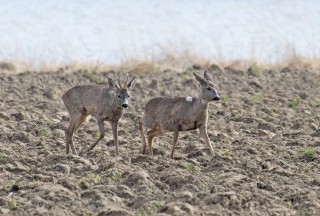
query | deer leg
[175, 138]
[114, 126]
[68, 135]
[151, 134]
[102, 133]
[75, 123]
[204, 135]
[143, 139]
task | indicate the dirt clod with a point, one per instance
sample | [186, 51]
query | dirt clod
[261, 145]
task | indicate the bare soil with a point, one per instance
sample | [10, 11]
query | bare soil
[265, 131]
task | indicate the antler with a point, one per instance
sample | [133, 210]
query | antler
[125, 84]
[118, 78]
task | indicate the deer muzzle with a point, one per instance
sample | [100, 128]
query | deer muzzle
[216, 98]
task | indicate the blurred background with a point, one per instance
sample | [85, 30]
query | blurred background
[60, 31]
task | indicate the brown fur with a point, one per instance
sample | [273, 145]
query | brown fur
[163, 114]
[101, 102]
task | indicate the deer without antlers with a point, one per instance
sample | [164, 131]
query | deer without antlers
[162, 114]
[102, 102]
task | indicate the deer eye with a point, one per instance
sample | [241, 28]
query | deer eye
[128, 96]
[209, 88]
[119, 96]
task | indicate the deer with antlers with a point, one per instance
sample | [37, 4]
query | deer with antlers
[101, 102]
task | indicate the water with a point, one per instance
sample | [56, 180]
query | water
[62, 31]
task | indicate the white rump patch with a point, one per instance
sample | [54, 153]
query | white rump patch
[189, 98]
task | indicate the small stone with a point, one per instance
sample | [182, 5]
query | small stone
[4, 116]
[189, 209]
[172, 210]
[223, 136]
[18, 116]
[276, 137]
[266, 166]
[185, 194]
[283, 172]
[252, 151]
[313, 126]
[307, 112]
[17, 167]
[303, 95]
[265, 133]
[58, 133]
[22, 136]
[4, 211]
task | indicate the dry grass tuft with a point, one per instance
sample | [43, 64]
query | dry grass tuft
[170, 60]
[167, 60]
[297, 62]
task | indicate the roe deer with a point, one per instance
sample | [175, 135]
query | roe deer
[162, 114]
[101, 102]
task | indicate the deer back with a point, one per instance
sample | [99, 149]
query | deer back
[98, 100]
[175, 113]
[93, 99]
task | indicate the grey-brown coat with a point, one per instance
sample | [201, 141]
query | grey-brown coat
[101, 102]
[162, 114]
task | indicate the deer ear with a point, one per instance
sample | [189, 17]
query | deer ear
[131, 83]
[200, 79]
[207, 76]
[112, 84]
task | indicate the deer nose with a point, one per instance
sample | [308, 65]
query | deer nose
[125, 106]
[217, 98]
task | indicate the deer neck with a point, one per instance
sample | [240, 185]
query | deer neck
[201, 104]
